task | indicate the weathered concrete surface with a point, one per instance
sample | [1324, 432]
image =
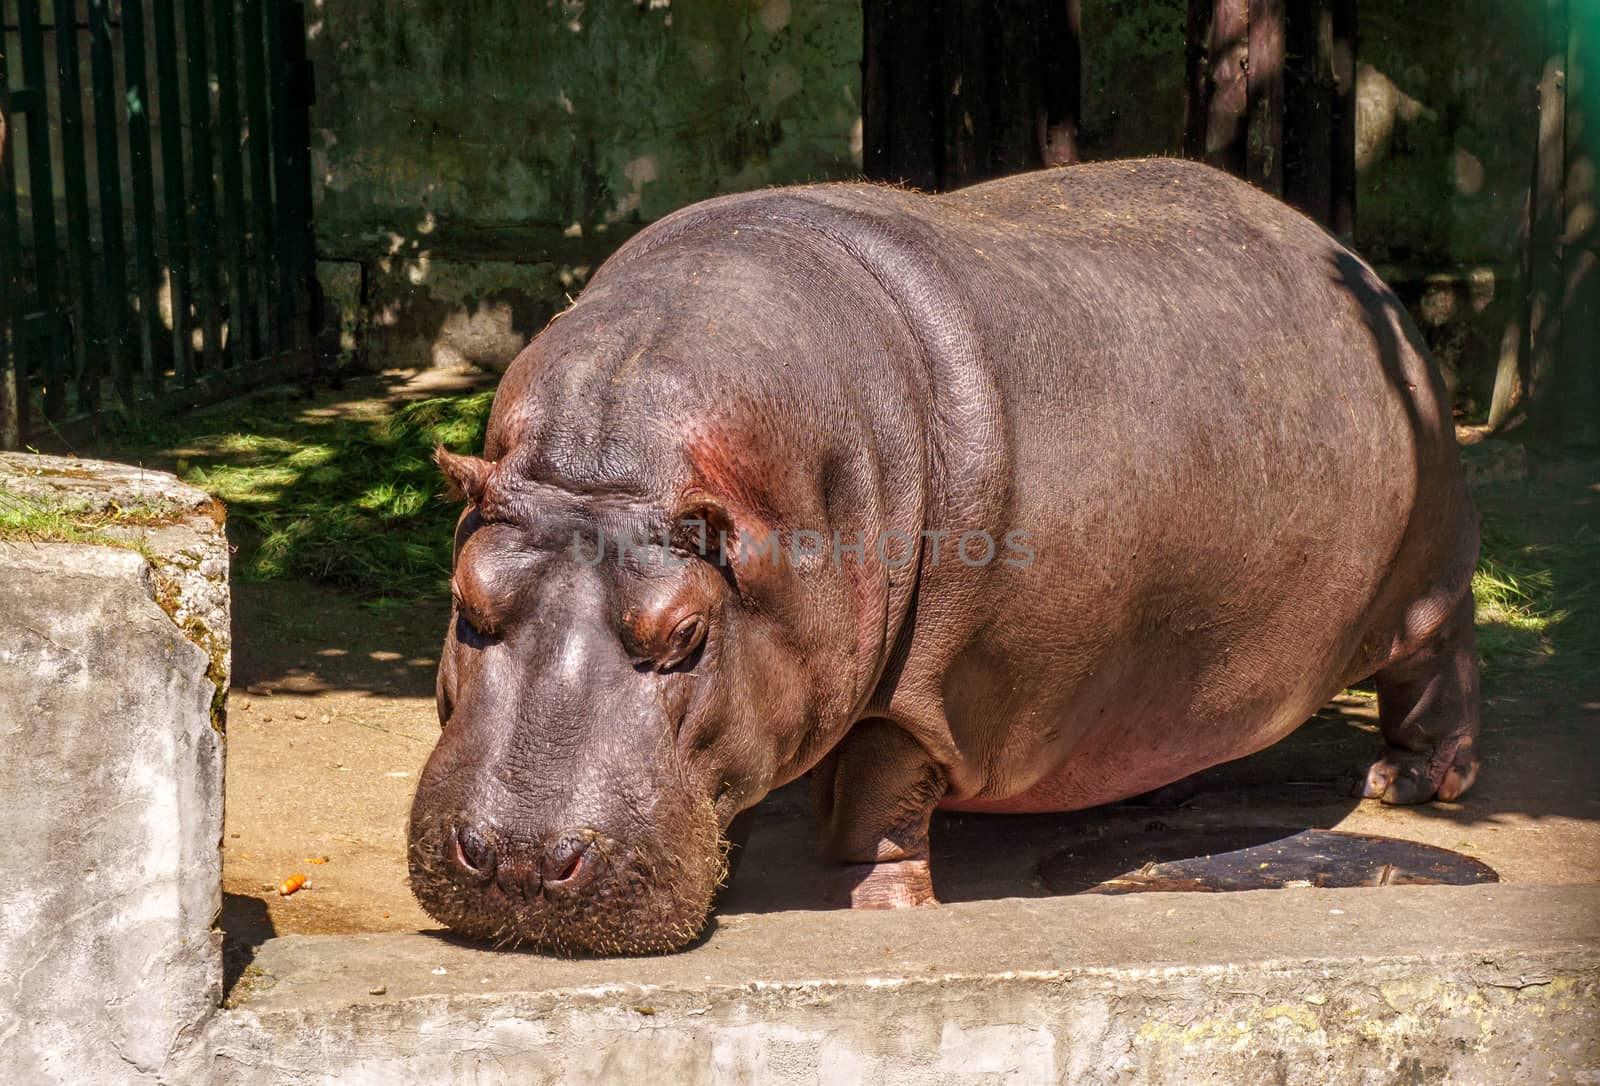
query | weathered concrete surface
[492, 114]
[1487, 984]
[450, 314]
[113, 663]
[451, 299]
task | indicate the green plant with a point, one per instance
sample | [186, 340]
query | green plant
[1514, 595]
[348, 498]
[28, 520]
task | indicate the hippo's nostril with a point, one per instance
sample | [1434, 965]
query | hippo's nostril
[473, 853]
[564, 861]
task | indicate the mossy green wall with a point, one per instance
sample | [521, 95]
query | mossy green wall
[449, 115]
[474, 160]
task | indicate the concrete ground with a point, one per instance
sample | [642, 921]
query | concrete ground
[1409, 984]
[331, 717]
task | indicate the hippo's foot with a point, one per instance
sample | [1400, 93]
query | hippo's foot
[1403, 777]
[875, 794]
[1428, 713]
[897, 884]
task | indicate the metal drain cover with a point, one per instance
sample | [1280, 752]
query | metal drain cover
[1326, 858]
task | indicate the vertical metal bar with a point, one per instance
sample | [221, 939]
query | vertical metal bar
[282, 225]
[902, 123]
[41, 192]
[260, 148]
[1196, 82]
[1549, 217]
[1063, 62]
[144, 199]
[877, 87]
[292, 98]
[200, 180]
[1228, 119]
[1215, 116]
[295, 150]
[13, 373]
[113, 314]
[75, 173]
[174, 203]
[1016, 74]
[1343, 182]
[1308, 109]
[966, 91]
[233, 215]
[1579, 357]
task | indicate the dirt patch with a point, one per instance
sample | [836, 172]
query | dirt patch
[329, 721]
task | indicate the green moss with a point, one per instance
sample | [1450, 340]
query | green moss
[27, 519]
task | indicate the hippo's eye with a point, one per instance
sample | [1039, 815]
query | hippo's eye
[472, 629]
[681, 643]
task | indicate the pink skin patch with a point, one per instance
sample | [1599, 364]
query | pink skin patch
[723, 467]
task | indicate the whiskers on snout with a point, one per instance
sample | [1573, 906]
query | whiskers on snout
[572, 892]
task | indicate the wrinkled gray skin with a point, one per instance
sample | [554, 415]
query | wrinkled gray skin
[1230, 454]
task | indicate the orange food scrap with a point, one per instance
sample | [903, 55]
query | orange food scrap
[316, 859]
[291, 884]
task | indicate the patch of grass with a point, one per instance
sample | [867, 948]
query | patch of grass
[346, 498]
[1514, 593]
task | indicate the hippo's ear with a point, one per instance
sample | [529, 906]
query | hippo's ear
[466, 477]
[702, 525]
[744, 548]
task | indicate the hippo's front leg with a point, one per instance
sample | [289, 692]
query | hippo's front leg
[875, 794]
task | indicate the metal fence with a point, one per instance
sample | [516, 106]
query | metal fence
[155, 244]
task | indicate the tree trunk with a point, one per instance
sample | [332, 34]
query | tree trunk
[1578, 383]
[1547, 213]
[1264, 58]
[1271, 97]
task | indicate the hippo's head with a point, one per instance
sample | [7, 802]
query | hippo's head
[633, 658]
[607, 710]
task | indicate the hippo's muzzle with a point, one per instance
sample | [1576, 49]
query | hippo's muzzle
[556, 809]
[572, 891]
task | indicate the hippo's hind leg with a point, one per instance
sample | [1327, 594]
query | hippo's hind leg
[1428, 713]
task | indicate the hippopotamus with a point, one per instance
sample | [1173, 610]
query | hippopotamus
[1027, 497]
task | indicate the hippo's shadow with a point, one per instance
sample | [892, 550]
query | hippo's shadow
[1298, 784]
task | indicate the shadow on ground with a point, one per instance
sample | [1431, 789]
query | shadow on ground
[245, 926]
[295, 637]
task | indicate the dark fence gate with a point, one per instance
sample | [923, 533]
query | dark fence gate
[155, 203]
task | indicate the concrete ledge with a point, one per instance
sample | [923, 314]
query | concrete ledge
[113, 666]
[1489, 984]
